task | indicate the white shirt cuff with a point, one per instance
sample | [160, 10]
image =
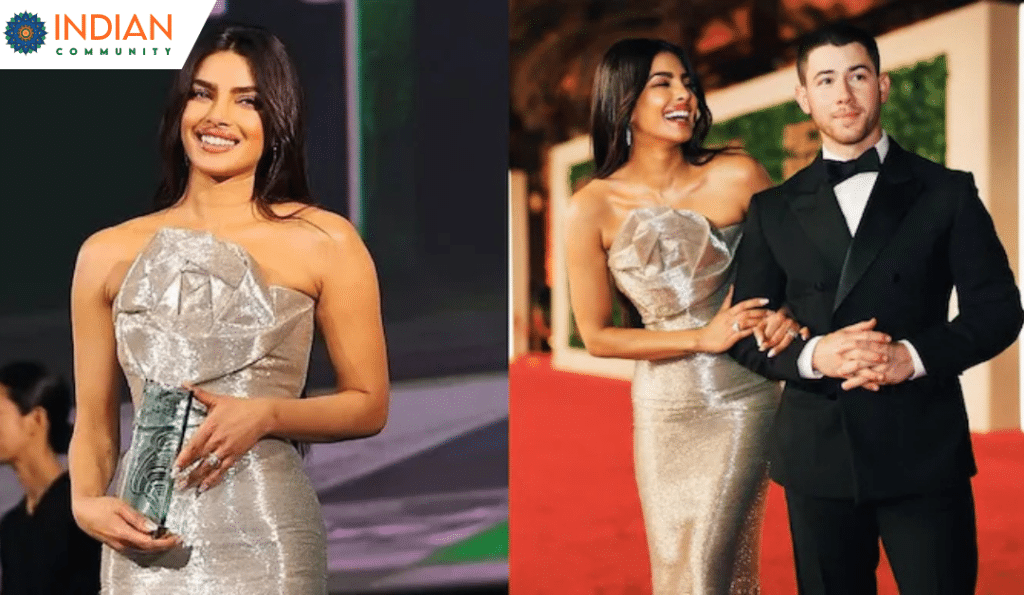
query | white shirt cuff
[805, 362]
[919, 370]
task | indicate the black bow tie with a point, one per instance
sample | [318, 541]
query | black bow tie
[841, 170]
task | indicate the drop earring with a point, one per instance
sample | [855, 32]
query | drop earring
[629, 137]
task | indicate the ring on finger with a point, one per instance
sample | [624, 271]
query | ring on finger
[735, 326]
[213, 460]
[792, 333]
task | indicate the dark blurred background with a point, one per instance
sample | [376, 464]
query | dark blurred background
[80, 154]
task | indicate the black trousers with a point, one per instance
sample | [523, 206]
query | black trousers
[930, 540]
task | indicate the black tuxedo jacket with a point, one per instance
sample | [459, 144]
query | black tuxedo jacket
[923, 232]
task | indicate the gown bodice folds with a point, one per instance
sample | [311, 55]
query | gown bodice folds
[195, 309]
[674, 265]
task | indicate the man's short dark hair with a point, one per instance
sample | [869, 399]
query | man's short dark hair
[837, 34]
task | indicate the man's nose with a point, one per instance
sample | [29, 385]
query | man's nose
[844, 91]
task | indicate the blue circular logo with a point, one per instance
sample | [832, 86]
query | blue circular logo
[25, 33]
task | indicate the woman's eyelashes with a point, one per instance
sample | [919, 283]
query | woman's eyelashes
[663, 82]
[250, 100]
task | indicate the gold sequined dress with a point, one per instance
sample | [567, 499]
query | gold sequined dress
[194, 308]
[700, 421]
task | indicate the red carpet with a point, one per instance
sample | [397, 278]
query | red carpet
[575, 516]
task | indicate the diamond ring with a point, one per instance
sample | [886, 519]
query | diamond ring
[213, 460]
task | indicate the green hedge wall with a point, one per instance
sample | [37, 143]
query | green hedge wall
[915, 116]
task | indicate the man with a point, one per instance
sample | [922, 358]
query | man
[864, 246]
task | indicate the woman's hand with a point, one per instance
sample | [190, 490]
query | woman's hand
[731, 324]
[115, 523]
[231, 428]
[777, 330]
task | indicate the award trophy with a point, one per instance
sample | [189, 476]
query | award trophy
[156, 441]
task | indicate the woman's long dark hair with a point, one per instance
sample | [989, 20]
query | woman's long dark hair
[619, 80]
[281, 171]
[30, 385]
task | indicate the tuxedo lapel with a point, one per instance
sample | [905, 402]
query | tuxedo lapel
[815, 206]
[894, 192]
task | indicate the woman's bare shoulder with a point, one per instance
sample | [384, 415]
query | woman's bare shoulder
[736, 164]
[120, 239]
[319, 232]
[106, 253]
[591, 202]
[735, 169]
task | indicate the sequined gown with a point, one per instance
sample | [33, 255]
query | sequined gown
[194, 308]
[700, 421]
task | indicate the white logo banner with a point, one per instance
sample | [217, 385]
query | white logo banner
[100, 34]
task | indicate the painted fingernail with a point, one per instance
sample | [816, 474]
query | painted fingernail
[763, 301]
[150, 526]
[771, 353]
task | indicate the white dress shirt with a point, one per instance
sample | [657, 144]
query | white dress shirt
[852, 194]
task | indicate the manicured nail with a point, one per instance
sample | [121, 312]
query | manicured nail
[763, 301]
[772, 352]
[150, 526]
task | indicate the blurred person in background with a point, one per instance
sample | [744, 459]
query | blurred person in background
[42, 550]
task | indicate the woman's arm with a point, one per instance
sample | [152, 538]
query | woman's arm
[349, 316]
[348, 312]
[591, 298]
[95, 443]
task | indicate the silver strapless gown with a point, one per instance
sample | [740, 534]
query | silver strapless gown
[194, 308]
[701, 421]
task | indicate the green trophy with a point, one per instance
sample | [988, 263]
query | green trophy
[156, 441]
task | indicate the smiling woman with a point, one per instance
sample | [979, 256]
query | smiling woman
[245, 91]
[217, 291]
[662, 219]
[223, 92]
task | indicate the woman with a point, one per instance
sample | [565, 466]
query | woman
[42, 550]
[218, 290]
[662, 217]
